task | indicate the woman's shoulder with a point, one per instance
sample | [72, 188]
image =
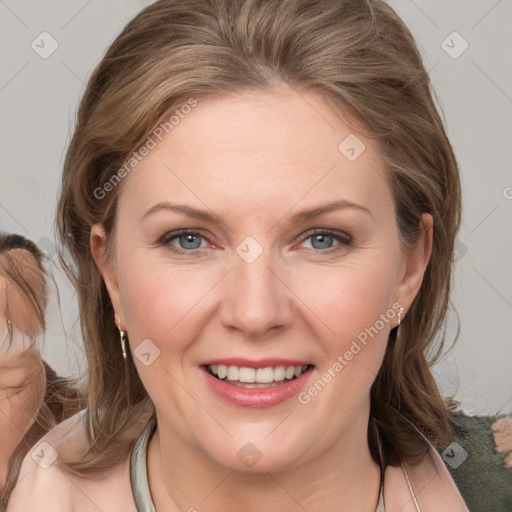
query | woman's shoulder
[44, 484]
[471, 471]
[426, 485]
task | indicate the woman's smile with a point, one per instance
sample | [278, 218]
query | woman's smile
[262, 387]
[262, 383]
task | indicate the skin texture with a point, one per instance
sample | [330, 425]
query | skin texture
[22, 375]
[256, 159]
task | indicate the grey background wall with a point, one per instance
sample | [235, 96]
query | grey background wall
[49, 48]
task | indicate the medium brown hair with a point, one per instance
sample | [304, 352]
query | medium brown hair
[62, 398]
[363, 61]
[16, 274]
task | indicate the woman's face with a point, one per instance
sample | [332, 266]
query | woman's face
[22, 375]
[290, 258]
[14, 304]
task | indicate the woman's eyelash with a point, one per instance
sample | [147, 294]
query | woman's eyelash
[168, 237]
[344, 240]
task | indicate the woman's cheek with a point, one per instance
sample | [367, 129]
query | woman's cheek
[156, 300]
[346, 299]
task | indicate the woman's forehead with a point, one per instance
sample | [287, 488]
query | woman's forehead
[260, 147]
[19, 264]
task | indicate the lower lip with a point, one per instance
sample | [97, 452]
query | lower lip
[256, 397]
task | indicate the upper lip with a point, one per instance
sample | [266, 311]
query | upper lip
[260, 363]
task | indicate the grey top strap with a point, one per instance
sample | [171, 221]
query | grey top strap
[138, 470]
[380, 505]
[139, 473]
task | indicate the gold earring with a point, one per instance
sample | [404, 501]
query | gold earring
[400, 313]
[123, 343]
[122, 335]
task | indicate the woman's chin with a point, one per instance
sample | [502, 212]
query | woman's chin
[250, 460]
[257, 456]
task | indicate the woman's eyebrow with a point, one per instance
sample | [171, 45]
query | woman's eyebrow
[326, 208]
[186, 210]
[216, 219]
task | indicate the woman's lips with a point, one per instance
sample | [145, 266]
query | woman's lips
[257, 395]
[260, 363]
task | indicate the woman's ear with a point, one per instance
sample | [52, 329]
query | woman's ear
[106, 265]
[415, 263]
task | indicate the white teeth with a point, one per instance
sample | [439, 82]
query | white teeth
[256, 376]
[247, 375]
[222, 371]
[290, 372]
[264, 375]
[233, 372]
[279, 373]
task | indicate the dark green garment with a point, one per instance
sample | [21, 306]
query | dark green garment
[482, 478]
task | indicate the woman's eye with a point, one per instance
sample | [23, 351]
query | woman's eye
[191, 242]
[326, 240]
[184, 242]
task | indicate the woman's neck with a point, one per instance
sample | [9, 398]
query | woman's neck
[342, 478]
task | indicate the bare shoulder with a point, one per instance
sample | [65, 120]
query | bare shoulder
[43, 484]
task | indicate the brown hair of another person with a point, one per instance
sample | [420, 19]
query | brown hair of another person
[62, 399]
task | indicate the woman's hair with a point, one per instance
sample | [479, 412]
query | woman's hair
[362, 60]
[62, 399]
[18, 275]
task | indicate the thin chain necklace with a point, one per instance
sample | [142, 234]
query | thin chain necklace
[416, 504]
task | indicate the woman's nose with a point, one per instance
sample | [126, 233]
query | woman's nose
[256, 299]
